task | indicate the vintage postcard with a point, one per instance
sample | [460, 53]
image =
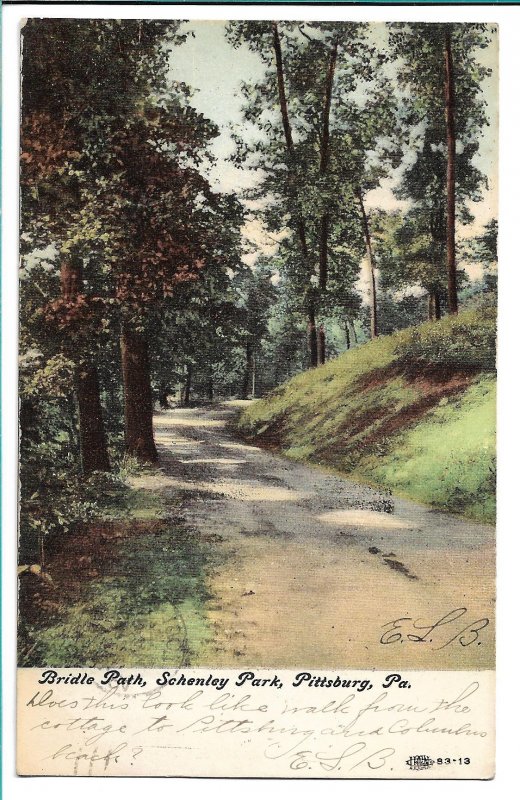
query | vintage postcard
[257, 315]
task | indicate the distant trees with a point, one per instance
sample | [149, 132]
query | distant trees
[410, 255]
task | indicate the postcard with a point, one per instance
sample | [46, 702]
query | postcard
[257, 388]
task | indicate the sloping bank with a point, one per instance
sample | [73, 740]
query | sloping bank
[413, 412]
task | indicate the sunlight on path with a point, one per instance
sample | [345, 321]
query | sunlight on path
[365, 518]
[310, 572]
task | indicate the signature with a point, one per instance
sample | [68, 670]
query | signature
[406, 629]
[306, 759]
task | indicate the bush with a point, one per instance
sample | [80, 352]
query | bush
[457, 343]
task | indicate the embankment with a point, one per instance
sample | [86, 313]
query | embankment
[413, 412]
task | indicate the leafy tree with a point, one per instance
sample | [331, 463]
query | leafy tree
[313, 152]
[257, 296]
[80, 81]
[142, 219]
[408, 255]
[439, 67]
[194, 333]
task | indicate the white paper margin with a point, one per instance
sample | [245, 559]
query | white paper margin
[509, 277]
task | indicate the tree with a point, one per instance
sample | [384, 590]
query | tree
[195, 331]
[72, 107]
[409, 254]
[438, 64]
[335, 146]
[258, 294]
[142, 216]
[483, 249]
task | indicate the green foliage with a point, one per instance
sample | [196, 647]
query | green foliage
[118, 224]
[114, 189]
[315, 163]
[407, 252]
[467, 343]
[129, 598]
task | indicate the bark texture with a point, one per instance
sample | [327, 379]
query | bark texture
[371, 267]
[322, 354]
[449, 93]
[92, 436]
[137, 389]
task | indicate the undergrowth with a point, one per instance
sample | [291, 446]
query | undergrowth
[127, 589]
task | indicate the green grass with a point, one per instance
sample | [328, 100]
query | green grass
[413, 412]
[447, 460]
[129, 592]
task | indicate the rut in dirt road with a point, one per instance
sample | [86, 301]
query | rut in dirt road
[311, 573]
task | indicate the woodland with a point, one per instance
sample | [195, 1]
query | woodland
[135, 293]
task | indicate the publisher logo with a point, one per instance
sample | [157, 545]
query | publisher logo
[419, 762]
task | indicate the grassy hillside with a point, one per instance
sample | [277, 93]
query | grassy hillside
[413, 412]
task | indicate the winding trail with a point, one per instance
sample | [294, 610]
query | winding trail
[308, 573]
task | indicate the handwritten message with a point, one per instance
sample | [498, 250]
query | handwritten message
[257, 723]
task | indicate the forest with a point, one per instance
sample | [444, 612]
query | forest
[141, 288]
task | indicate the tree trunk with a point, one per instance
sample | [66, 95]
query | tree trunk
[211, 390]
[449, 93]
[246, 381]
[434, 306]
[347, 334]
[312, 338]
[137, 390]
[253, 378]
[291, 180]
[282, 97]
[321, 345]
[187, 385]
[324, 161]
[71, 278]
[92, 436]
[93, 442]
[163, 396]
[324, 240]
[371, 267]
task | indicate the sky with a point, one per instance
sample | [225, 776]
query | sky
[215, 70]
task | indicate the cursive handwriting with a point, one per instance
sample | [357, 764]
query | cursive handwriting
[374, 760]
[448, 630]
[175, 730]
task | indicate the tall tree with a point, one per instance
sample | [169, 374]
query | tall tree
[141, 214]
[337, 111]
[293, 190]
[71, 108]
[440, 67]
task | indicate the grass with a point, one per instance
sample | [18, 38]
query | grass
[413, 412]
[129, 590]
[447, 459]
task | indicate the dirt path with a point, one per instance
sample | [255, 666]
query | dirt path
[310, 573]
